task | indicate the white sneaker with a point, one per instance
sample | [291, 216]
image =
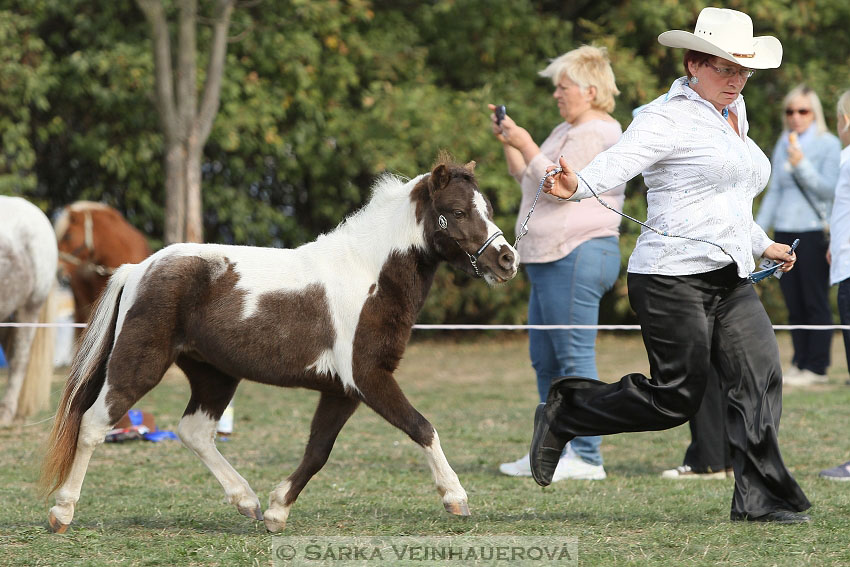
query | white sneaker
[521, 467]
[574, 467]
[803, 377]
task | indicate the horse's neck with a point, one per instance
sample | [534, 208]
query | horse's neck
[386, 225]
[119, 242]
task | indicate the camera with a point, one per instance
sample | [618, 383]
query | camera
[500, 113]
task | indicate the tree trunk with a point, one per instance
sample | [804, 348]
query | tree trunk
[186, 125]
[175, 200]
[194, 219]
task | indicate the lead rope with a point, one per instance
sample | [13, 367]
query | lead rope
[523, 229]
[652, 228]
[754, 277]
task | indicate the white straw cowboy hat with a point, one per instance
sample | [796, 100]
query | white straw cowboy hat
[727, 34]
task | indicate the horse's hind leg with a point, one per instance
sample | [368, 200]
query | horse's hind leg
[93, 428]
[131, 374]
[19, 351]
[331, 414]
[212, 390]
[384, 395]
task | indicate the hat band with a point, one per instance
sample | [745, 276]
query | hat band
[744, 55]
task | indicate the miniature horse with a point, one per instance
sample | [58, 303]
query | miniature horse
[27, 277]
[94, 239]
[333, 315]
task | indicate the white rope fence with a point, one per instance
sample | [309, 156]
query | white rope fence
[493, 327]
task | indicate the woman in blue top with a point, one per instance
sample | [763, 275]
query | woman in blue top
[797, 204]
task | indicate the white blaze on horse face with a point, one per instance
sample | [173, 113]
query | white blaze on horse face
[481, 207]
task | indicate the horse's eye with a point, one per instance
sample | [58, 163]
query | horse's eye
[459, 214]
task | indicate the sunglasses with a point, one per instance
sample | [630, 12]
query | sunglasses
[800, 111]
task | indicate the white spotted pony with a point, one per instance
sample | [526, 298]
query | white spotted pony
[333, 315]
[27, 275]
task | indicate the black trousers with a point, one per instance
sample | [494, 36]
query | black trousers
[844, 314]
[806, 293]
[709, 450]
[689, 324]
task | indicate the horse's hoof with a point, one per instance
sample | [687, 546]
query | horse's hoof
[273, 526]
[457, 508]
[253, 513]
[56, 526]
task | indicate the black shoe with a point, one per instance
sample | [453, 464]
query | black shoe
[546, 448]
[777, 516]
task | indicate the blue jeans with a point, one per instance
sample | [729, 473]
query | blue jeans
[567, 292]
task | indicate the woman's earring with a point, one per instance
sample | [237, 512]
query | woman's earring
[694, 80]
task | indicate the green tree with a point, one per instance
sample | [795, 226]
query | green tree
[318, 98]
[25, 79]
[186, 122]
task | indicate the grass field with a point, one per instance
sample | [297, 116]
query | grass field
[156, 504]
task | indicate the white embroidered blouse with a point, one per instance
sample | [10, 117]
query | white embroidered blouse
[701, 179]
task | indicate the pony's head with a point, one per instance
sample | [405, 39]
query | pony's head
[460, 225]
[75, 236]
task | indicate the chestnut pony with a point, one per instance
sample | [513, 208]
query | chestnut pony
[333, 315]
[94, 239]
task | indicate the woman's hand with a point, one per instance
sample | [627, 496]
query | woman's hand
[509, 133]
[795, 154]
[564, 183]
[780, 253]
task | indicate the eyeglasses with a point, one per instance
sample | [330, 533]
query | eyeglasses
[800, 111]
[729, 72]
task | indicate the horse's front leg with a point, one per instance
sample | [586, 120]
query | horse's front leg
[333, 411]
[382, 393]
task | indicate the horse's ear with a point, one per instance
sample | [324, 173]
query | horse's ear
[470, 167]
[440, 177]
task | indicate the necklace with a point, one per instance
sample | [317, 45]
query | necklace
[725, 112]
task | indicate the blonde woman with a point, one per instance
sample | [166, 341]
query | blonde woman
[571, 254]
[797, 205]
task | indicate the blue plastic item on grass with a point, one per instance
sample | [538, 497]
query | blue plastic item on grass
[159, 435]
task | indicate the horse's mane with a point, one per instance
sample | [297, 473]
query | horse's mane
[390, 194]
[81, 206]
[62, 223]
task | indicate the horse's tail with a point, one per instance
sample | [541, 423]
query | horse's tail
[88, 372]
[35, 391]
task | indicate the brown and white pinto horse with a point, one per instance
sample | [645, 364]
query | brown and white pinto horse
[94, 239]
[333, 315]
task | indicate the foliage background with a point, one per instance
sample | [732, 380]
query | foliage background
[320, 97]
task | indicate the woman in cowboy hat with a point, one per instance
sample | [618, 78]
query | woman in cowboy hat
[690, 272]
